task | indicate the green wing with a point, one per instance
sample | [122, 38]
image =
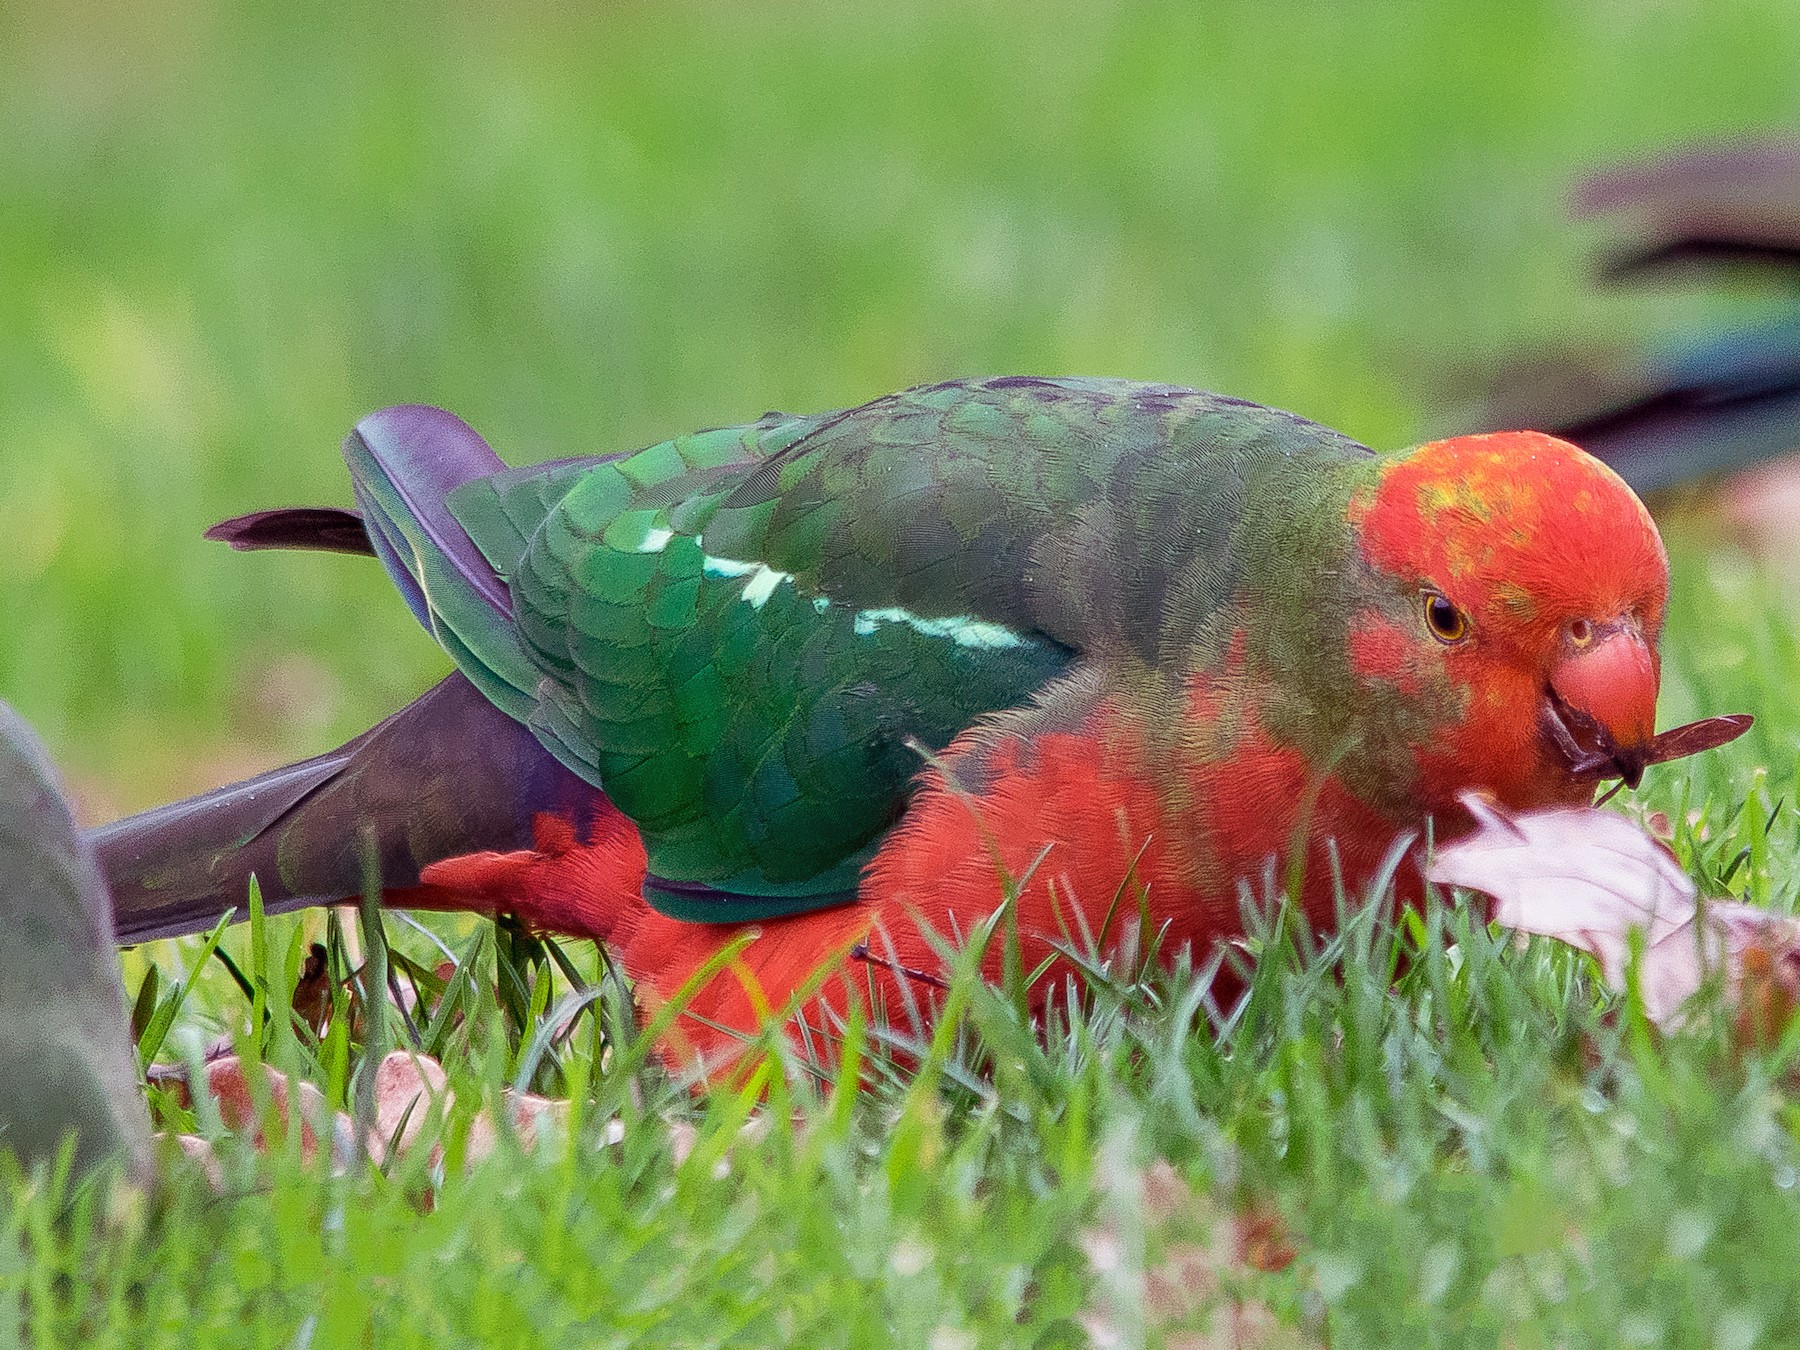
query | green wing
[742, 633]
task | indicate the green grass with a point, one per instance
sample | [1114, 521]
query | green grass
[227, 233]
[1469, 1142]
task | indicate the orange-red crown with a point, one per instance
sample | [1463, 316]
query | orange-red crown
[1519, 528]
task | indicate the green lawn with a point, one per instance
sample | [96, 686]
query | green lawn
[225, 234]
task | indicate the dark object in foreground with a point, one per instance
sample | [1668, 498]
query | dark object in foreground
[66, 1060]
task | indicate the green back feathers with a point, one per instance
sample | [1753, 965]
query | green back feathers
[757, 725]
[741, 634]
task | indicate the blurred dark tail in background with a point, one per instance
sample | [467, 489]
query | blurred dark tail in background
[1713, 404]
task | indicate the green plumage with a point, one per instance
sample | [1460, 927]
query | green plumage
[739, 634]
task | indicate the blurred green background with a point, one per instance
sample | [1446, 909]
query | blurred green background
[226, 233]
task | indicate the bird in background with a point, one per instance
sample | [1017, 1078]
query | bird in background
[1709, 405]
[66, 1057]
[834, 680]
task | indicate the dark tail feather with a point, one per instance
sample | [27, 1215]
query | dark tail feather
[1663, 424]
[1736, 204]
[1728, 405]
[321, 529]
[448, 775]
[1707, 407]
[405, 464]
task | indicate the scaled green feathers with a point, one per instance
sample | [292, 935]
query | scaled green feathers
[739, 634]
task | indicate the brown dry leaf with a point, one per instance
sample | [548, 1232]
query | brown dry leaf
[409, 1087]
[1262, 1240]
[312, 992]
[1588, 878]
[410, 1090]
[201, 1152]
[228, 1084]
[1197, 1259]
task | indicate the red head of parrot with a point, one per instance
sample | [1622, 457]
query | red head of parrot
[1542, 583]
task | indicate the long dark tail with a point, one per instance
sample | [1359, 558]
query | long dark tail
[447, 775]
[1709, 406]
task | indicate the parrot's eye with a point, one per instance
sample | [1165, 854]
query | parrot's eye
[1446, 622]
[1581, 632]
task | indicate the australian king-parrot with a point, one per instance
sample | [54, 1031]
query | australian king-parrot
[837, 677]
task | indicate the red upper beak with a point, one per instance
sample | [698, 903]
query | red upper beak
[1614, 681]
